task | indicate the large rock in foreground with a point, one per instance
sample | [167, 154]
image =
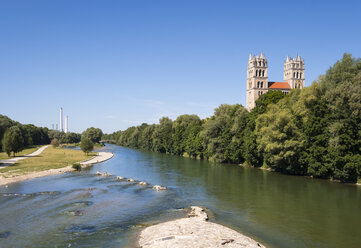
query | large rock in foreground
[194, 231]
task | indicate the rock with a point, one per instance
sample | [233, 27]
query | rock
[98, 173]
[120, 178]
[78, 212]
[193, 232]
[130, 180]
[198, 212]
[4, 234]
[106, 174]
[158, 187]
[142, 183]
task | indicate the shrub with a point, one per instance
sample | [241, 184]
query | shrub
[77, 166]
[54, 142]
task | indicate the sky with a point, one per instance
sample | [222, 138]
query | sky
[115, 64]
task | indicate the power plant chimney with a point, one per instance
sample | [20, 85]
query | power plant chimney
[61, 120]
[66, 124]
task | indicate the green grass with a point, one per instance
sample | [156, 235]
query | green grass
[26, 151]
[50, 158]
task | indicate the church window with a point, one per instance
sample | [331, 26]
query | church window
[300, 74]
[263, 73]
[294, 74]
[261, 84]
[297, 75]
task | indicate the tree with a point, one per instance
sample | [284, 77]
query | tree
[279, 138]
[54, 142]
[162, 136]
[94, 134]
[86, 145]
[181, 132]
[13, 140]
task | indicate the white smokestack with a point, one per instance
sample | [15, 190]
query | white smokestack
[61, 120]
[66, 124]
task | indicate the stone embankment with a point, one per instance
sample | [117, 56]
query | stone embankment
[193, 232]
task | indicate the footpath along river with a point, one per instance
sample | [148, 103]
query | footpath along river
[81, 209]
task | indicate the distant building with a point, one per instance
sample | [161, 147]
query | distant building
[257, 77]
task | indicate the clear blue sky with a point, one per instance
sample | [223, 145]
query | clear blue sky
[114, 64]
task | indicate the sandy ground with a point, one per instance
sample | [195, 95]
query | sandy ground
[102, 156]
[193, 232]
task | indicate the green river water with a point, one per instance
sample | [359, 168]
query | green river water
[85, 210]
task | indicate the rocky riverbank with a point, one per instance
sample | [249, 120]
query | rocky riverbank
[192, 232]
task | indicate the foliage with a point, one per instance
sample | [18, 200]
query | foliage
[86, 145]
[94, 134]
[76, 167]
[13, 140]
[54, 142]
[315, 131]
[31, 134]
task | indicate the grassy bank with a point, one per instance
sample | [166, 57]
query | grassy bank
[26, 151]
[50, 158]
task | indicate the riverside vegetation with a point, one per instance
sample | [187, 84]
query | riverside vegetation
[315, 131]
[21, 140]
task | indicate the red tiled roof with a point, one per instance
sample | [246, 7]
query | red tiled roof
[279, 85]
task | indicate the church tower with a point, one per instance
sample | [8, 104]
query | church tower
[294, 72]
[257, 79]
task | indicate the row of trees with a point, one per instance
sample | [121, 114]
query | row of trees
[315, 131]
[14, 135]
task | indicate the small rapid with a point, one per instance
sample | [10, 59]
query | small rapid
[85, 209]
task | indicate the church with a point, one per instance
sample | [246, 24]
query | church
[257, 77]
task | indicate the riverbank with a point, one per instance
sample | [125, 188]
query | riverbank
[10, 161]
[192, 232]
[11, 174]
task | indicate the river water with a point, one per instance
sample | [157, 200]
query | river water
[80, 209]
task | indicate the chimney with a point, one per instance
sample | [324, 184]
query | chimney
[66, 124]
[61, 120]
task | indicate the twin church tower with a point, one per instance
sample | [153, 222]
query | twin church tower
[257, 77]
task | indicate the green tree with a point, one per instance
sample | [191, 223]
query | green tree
[94, 134]
[181, 132]
[13, 140]
[162, 136]
[86, 145]
[279, 138]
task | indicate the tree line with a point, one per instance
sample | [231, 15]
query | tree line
[15, 136]
[315, 131]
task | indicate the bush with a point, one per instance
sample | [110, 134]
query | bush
[77, 166]
[54, 142]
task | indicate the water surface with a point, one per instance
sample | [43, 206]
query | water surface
[85, 210]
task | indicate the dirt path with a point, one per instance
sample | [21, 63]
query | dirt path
[6, 162]
[102, 156]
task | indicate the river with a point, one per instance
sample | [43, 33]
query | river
[80, 209]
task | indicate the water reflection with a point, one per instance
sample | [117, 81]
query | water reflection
[86, 210]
